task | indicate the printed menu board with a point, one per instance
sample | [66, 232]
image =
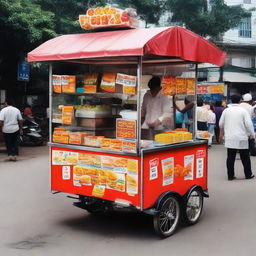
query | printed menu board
[126, 129]
[128, 82]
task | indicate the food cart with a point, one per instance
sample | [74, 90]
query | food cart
[101, 155]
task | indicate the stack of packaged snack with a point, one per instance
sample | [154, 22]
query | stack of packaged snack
[173, 136]
[60, 135]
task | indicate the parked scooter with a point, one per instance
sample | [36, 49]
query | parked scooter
[31, 134]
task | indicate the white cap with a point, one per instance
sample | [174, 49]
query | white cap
[247, 97]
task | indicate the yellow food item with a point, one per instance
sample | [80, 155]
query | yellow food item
[168, 171]
[131, 181]
[85, 179]
[78, 170]
[178, 170]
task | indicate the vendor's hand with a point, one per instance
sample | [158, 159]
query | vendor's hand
[21, 132]
[154, 124]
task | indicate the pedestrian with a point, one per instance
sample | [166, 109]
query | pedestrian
[218, 109]
[247, 103]
[202, 115]
[11, 124]
[211, 122]
[235, 124]
[27, 113]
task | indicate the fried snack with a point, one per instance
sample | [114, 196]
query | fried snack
[85, 180]
[120, 162]
[168, 85]
[71, 159]
[181, 86]
[190, 86]
[132, 166]
[178, 170]
[78, 170]
[187, 170]
[168, 171]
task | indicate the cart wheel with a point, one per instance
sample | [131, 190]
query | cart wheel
[193, 207]
[95, 208]
[166, 221]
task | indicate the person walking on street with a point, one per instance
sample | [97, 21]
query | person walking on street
[247, 103]
[202, 115]
[218, 109]
[11, 124]
[236, 125]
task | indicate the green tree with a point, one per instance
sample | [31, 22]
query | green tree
[25, 24]
[206, 20]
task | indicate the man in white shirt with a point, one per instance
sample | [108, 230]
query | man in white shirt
[156, 111]
[247, 103]
[236, 125]
[11, 123]
[202, 115]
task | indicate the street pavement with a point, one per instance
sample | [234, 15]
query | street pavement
[34, 222]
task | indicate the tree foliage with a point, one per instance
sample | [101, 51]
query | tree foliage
[207, 20]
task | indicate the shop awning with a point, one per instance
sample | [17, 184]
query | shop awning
[238, 77]
[169, 42]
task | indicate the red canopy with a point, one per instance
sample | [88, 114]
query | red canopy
[173, 42]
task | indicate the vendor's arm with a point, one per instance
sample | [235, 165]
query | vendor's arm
[185, 109]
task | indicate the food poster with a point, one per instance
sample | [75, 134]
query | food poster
[188, 171]
[56, 83]
[98, 191]
[181, 85]
[168, 170]
[132, 176]
[105, 17]
[68, 84]
[90, 83]
[129, 146]
[169, 85]
[126, 129]
[64, 157]
[115, 173]
[108, 82]
[128, 82]
[191, 86]
[67, 114]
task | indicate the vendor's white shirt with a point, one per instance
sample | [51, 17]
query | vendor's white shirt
[158, 107]
[237, 126]
[247, 107]
[10, 116]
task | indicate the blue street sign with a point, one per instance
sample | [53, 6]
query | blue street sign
[23, 71]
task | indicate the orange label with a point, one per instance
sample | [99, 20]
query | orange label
[126, 129]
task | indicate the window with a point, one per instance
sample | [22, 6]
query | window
[247, 1]
[245, 28]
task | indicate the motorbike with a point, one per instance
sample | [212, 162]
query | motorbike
[32, 135]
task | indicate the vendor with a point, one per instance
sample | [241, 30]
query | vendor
[156, 111]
